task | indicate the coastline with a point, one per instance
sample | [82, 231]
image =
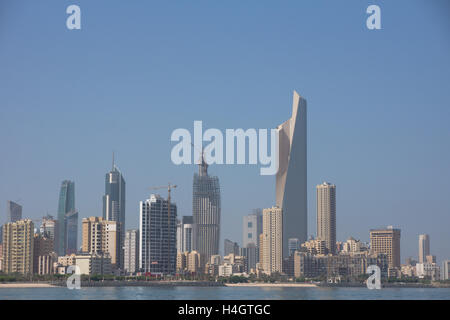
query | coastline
[25, 285]
[272, 285]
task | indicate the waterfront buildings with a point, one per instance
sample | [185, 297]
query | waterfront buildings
[428, 270]
[94, 264]
[230, 247]
[272, 237]
[326, 215]
[66, 242]
[157, 236]
[14, 211]
[48, 227]
[100, 236]
[251, 228]
[131, 251]
[43, 248]
[206, 209]
[386, 241]
[291, 178]
[189, 262]
[18, 244]
[185, 234]
[445, 270]
[114, 205]
[315, 246]
[424, 247]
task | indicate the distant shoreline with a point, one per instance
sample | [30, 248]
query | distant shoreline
[272, 285]
[25, 285]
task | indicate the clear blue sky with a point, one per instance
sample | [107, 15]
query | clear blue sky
[378, 104]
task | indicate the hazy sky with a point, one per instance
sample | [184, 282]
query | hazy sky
[378, 104]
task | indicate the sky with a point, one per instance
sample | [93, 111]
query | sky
[378, 104]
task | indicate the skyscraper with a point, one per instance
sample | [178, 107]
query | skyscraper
[206, 211]
[131, 251]
[114, 203]
[66, 242]
[291, 178]
[230, 247]
[158, 235]
[424, 247]
[18, 243]
[386, 241]
[326, 215]
[14, 211]
[252, 228]
[272, 247]
[185, 234]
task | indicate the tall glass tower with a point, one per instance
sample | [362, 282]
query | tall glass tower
[114, 203]
[291, 184]
[206, 211]
[66, 242]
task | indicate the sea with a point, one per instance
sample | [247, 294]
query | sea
[223, 293]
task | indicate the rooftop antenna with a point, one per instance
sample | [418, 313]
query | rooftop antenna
[113, 164]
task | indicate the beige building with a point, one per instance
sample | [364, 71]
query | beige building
[326, 215]
[386, 241]
[315, 246]
[189, 262]
[100, 236]
[272, 237]
[18, 244]
[94, 264]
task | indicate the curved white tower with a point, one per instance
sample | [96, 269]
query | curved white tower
[291, 179]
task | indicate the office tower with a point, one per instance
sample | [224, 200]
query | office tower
[158, 235]
[18, 243]
[131, 251]
[272, 254]
[14, 211]
[48, 227]
[100, 236]
[293, 245]
[424, 247]
[43, 247]
[251, 254]
[386, 241]
[206, 211]
[445, 270]
[291, 187]
[252, 228]
[114, 203]
[230, 247]
[326, 215]
[185, 234]
[66, 242]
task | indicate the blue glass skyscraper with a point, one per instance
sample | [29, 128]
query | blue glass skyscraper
[66, 237]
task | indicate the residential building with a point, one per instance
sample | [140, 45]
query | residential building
[18, 247]
[386, 241]
[272, 254]
[424, 247]
[326, 215]
[131, 251]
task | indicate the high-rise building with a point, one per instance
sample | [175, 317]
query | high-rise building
[326, 215]
[386, 241]
[293, 245]
[252, 228]
[185, 234]
[100, 236]
[230, 247]
[14, 211]
[272, 252]
[445, 270]
[66, 242]
[131, 251]
[48, 227]
[424, 247]
[18, 245]
[291, 178]
[43, 247]
[206, 212]
[114, 204]
[157, 235]
[251, 254]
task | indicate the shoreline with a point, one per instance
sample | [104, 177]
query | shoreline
[25, 285]
[272, 285]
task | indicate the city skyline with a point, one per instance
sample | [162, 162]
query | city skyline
[383, 127]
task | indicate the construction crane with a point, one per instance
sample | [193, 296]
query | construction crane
[169, 190]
